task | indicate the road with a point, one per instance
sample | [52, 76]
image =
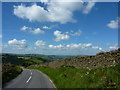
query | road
[30, 79]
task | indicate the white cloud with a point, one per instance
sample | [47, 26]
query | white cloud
[96, 47]
[88, 7]
[79, 45]
[37, 31]
[40, 43]
[56, 11]
[24, 28]
[0, 35]
[18, 43]
[44, 1]
[56, 46]
[72, 33]
[114, 47]
[78, 33]
[60, 36]
[113, 24]
[46, 27]
[87, 45]
[32, 30]
[49, 27]
[75, 46]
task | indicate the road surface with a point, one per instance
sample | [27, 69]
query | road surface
[30, 79]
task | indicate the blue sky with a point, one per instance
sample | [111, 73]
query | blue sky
[59, 28]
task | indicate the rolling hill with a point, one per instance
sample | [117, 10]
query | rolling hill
[102, 59]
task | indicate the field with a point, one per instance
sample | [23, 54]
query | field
[70, 77]
[22, 61]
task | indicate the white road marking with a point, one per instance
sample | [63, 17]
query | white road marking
[31, 72]
[29, 79]
[52, 82]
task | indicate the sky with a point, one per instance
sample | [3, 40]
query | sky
[59, 28]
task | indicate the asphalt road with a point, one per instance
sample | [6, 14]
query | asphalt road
[30, 79]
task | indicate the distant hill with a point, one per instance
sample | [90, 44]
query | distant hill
[29, 59]
[22, 61]
[44, 57]
[102, 59]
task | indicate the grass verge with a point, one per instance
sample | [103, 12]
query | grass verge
[70, 77]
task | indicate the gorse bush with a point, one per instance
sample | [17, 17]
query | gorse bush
[9, 72]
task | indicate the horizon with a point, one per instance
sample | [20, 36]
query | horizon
[71, 29]
[41, 54]
[58, 55]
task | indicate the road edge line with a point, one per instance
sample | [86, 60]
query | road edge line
[48, 78]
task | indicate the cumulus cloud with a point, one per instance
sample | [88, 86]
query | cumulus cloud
[79, 45]
[40, 43]
[74, 33]
[49, 27]
[18, 43]
[55, 11]
[60, 36]
[114, 24]
[75, 46]
[113, 47]
[88, 7]
[32, 30]
[56, 46]
[37, 31]
[46, 27]
[96, 47]
[24, 28]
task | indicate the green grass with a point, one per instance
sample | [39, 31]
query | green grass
[70, 77]
[35, 61]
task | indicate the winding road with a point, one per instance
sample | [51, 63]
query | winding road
[30, 79]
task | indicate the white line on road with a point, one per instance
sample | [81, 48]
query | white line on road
[29, 79]
[31, 72]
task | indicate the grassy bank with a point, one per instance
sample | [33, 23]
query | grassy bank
[70, 77]
[9, 72]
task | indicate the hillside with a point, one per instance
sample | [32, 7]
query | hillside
[101, 59]
[29, 59]
[99, 71]
[44, 57]
[23, 61]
